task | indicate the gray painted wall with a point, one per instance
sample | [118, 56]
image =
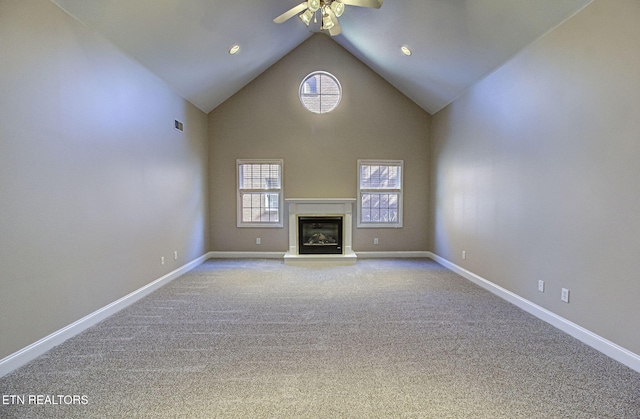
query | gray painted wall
[536, 172]
[320, 152]
[95, 184]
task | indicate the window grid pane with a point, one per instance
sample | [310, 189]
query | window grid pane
[260, 207]
[259, 176]
[380, 177]
[379, 207]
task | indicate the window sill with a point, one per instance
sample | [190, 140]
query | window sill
[379, 225]
[260, 225]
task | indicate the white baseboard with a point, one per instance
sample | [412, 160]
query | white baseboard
[612, 350]
[245, 255]
[394, 255]
[31, 352]
[280, 255]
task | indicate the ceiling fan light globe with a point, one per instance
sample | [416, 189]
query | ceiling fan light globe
[337, 7]
[327, 22]
[313, 5]
[306, 17]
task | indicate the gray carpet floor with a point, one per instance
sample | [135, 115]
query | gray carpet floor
[381, 339]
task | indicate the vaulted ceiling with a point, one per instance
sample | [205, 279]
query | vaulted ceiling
[455, 43]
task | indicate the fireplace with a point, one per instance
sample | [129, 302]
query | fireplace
[309, 244]
[319, 235]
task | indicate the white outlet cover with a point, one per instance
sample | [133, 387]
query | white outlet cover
[565, 295]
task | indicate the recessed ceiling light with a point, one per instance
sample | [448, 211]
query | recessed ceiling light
[405, 50]
[234, 49]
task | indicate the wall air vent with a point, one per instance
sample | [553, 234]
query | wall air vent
[178, 125]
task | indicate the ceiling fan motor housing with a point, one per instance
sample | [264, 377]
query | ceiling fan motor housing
[330, 11]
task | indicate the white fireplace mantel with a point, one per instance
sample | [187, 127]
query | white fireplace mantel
[321, 207]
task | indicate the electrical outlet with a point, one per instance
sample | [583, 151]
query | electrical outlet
[375, 241]
[258, 240]
[541, 285]
[564, 296]
[162, 260]
[175, 255]
[464, 254]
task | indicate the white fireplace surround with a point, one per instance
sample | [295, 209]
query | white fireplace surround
[321, 207]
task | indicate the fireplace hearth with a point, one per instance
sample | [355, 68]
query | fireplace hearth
[320, 235]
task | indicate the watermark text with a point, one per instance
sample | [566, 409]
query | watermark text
[45, 399]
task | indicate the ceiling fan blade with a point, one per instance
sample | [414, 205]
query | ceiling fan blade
[291, 12]
[374, 4]
[335, 29]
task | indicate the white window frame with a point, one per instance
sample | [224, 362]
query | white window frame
[269, 192]
[363, 191]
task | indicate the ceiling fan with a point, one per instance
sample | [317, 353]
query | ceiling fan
[330, 11]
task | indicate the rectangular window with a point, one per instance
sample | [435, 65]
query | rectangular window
[380, 193]
[259, 193]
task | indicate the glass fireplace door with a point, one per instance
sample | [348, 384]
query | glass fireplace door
[319, 235]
